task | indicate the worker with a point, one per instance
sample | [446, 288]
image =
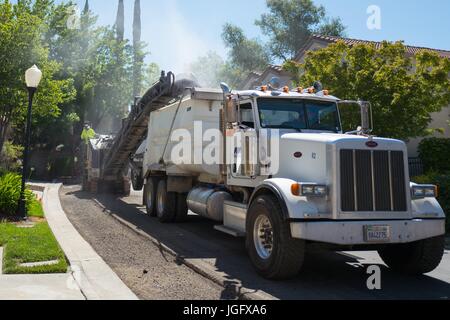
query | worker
[87, 134]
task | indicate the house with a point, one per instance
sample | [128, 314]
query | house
[316, 42]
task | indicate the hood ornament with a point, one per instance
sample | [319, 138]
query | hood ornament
[371, 143]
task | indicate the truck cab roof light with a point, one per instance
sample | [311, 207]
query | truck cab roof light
[300, 89]
[311, 90]
[286, 89]
[264, 88]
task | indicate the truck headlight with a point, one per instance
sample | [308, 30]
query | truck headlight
[424, 191]
[309, 190]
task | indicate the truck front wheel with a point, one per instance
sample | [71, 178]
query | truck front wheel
[272, 250]
[414, 258]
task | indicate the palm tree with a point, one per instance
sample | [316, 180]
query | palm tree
[120, 21]
[138, 56]
[86, 7]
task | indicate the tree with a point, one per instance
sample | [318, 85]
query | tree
[112, 69]
[138, 54]
[151, 75]
[21, 46]
[245, 55]
[120, 21]
[291, 22]
[86, 7]
[403, 90]
[209, 70]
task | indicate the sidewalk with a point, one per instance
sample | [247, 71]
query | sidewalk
[95, 278]
[90, 278]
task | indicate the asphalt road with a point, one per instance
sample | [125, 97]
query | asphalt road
[326, 275]
[149, 272]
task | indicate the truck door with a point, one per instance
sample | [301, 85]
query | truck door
[242, 143]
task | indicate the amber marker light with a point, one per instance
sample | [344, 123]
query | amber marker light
[296, 189]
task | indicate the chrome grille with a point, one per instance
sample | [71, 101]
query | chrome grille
[372, 181]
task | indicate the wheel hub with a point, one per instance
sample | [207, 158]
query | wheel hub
[263, 237]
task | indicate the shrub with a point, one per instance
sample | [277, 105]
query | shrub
[443, 182]
[435, 154]
[10, 186]
[10, 155]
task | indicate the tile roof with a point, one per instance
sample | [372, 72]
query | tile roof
[351, 42]
[275, 67]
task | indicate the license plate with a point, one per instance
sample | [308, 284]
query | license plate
[377, 233]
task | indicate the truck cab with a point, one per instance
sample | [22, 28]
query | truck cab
[289, 176]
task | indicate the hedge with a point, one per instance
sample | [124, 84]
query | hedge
[443, 182]
[435, 155]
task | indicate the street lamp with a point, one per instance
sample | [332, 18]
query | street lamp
[32, 77]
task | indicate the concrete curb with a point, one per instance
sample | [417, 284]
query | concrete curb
[95, 278]
[203, 268]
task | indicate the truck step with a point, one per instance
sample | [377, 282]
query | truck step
[230, 231]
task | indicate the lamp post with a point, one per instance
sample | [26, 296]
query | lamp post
[32, 78]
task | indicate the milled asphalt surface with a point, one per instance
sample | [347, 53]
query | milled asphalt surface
[150, 273]
[326, 275]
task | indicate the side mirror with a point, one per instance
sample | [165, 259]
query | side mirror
[362, 119]
[366, 117]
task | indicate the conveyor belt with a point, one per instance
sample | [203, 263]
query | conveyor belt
[134, 129]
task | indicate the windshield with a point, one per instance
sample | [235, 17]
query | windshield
[298, 114]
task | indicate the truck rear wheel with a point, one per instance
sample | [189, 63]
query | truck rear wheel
[166, 203]
[272, 250]
[414, 258]
[182, 208]
[150, 195]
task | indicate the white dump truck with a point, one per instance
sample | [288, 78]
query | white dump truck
[275, 167]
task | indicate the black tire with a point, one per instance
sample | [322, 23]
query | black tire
[136, 180]
[182, 208]
[414, 258]
[287, 256]
[166, 203]
[150, 195]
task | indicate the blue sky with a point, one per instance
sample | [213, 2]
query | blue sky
[178, 31]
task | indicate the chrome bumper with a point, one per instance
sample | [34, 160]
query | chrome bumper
[352, 232]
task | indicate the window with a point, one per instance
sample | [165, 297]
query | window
[298, 114]
[246, 116]
[322, 116]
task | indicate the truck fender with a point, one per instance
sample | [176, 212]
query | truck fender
[293, 207]
[270, 188]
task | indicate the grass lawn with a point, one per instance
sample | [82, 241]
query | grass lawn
[26, 245]
[35, 210]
